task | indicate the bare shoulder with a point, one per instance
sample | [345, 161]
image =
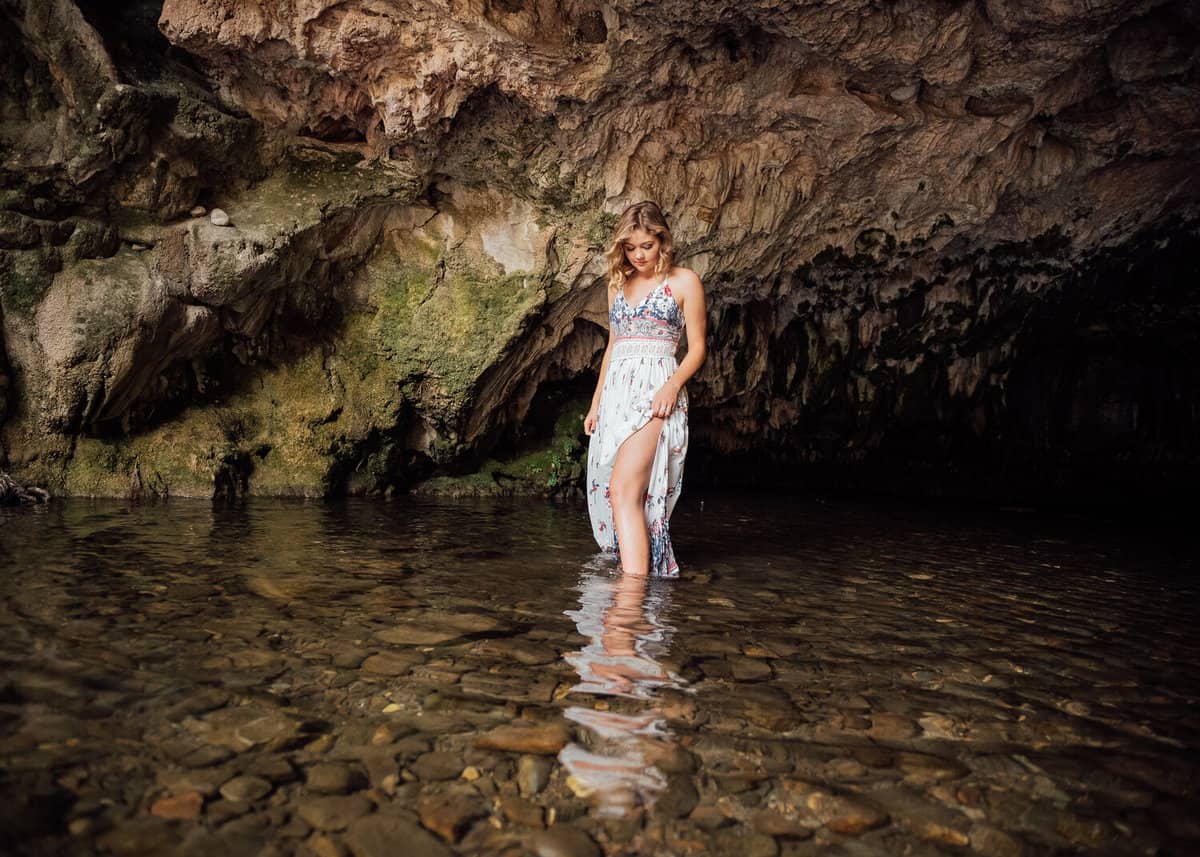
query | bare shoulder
[686, 281]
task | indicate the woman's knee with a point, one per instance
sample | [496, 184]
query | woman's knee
[622, 493]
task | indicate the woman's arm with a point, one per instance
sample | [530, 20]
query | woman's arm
[690, 294]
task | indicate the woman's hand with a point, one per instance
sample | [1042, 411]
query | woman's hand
[591, 421]
[664, 400]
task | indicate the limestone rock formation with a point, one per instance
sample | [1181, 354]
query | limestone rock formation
[944, 240]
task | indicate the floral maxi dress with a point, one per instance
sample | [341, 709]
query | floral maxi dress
[646, 338]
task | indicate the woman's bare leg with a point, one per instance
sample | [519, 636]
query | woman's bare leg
[627, 493]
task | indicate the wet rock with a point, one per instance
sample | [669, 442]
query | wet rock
[391, 663]
[275, 769]
[533, 772]
[222, 811]
[450, 814]
[206, 781]
[200, 702]
[515, 649]
[138, 837]
[749, 669]
[990, 841]
[541, 739]
[333, 779]
[521, 811]
[348, 658]
[322, 845]
[437, 766]
[563, 841]
[886, 726]
[739, 843]
[247, 789]
[678, 799]
[181, 807]
[775, 823]
[709, 817]
[417, 635]
[333, 813]
[380, 835]
[922, 769]
[844, 814]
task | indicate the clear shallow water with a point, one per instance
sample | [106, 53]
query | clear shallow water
[304, 678]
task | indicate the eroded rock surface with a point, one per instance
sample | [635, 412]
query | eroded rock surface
[955, 236]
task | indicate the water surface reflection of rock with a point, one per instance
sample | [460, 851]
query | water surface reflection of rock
[623, 618]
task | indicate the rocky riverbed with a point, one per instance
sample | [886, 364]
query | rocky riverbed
[420, 677]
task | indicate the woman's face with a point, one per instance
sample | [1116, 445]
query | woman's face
[641, 250]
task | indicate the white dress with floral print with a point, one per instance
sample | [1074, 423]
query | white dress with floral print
[643, 358]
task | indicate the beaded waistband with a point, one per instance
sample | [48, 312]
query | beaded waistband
[643, 346]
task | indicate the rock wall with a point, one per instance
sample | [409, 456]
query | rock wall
[946, 245]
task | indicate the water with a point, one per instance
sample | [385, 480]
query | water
[468, 677]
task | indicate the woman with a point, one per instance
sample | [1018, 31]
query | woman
[638, 418]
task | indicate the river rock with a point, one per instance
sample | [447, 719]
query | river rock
[563, 841]
[437, 765]
[219, 217]
[245, 788]
[333, 779]
[183, 807]
[533, 772]
[449, 814]
[385, 835]
[542, 739]
[333, 813]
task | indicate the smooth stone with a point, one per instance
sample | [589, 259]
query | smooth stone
[544, 739]
[709, 817]
[749, 669]
[515, 649]
[206, 781]
[182, 807]
[438, 765]
[201, 702]
[331, 779]
[679, 798]
[450, 814]
[275, 769]
[391, 663]
[198, 211]
[845, 815]
[773, 823]
[417, 635]
[990, 841]
[247, 789]
[384, 835]
[140, 836]
[533, 772]
[206, 757]
[323, 846]
[521, 811]
[349, 659]
[563, 841]
[740, 843]
[334, 813]
[222, 811]
[219, 217]
[886, 726]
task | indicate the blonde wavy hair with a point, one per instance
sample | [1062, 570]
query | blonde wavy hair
[641, 215]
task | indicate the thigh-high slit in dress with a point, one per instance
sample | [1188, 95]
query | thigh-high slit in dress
[643, 358]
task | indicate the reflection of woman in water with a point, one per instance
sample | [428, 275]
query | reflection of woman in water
[638, 418]
[621, 620]
[626, 635]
